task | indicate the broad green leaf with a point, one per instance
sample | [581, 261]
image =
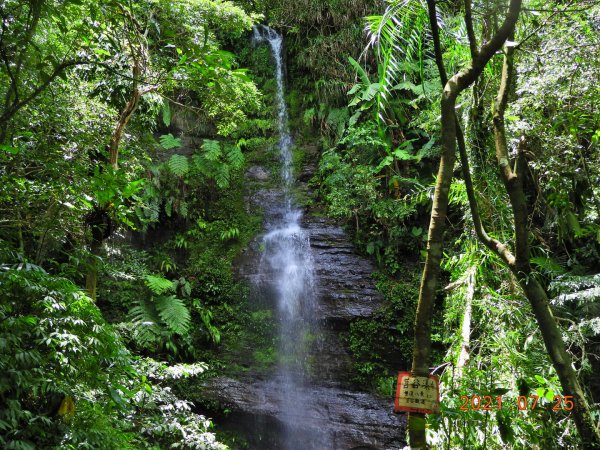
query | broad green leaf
[132, 188]
[360, 71]
[9, 149]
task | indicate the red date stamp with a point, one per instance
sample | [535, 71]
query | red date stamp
[524, 403]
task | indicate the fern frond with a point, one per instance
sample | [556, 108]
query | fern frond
[146, 330]
[212, 149]
[174, 314]
[201, 164]
[222, 176]
[169, 207]
[178, 165]
[168, 141]
[159, 285]
[235, 157]
[183, 209]
[548, 265]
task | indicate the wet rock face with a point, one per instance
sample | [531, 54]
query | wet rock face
[344, 284]
[338, 416]
[337, 419]
[257, 173]
[325, 411]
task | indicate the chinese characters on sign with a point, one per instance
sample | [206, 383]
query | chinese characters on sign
[417, 394]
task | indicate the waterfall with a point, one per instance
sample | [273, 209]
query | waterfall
[263, 33]
[287, 264]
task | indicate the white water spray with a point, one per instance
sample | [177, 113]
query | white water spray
[287, 261]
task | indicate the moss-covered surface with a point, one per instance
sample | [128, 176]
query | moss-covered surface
[382, 345]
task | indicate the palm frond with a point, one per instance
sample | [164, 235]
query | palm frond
[397, 37]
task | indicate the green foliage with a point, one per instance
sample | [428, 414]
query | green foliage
[174, 314]
[167, 114]
[68, 87]
[178, 165]
[229, 234]
[166, 420]
[216, 162]
[374, 343]
[55, 345]
[351, 187]
[159, 285]
[554, 110]
[146, 331]
[157, 319]
[168, 141]
[397, 38]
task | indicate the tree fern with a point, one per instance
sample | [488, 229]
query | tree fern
[168, 141]
[178, 165]
[174, 314]
[159, 285]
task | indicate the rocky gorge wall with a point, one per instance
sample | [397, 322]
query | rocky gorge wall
[339, 415]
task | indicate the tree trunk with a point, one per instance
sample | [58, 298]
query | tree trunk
[561, 360]
[102, 228]
[429, 281]
[465, 331]
[91, 278]
[521, 268]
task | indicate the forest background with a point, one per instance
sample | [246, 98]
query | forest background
[125, 132]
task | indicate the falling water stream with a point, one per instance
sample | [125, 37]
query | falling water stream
[306, 271]
[288, 261]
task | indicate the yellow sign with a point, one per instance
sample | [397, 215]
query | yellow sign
[417, 394]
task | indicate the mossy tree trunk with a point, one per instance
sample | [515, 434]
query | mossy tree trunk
[518, 262]
[429, 281]
[513, 179]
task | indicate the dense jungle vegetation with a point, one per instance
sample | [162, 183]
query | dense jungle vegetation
[457, 141]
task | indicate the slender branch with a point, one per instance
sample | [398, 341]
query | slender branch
[490, 48]
[12, 109]
[544, 24]
[493, 244]
[435, 33]
[470, 29]
[498, 114]
[585, 8]
[502, 250]
[13, 80]
[35, 12]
